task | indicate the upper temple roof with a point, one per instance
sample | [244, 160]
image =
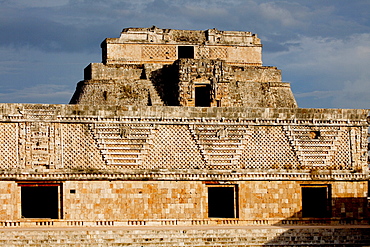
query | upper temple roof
[171, 36]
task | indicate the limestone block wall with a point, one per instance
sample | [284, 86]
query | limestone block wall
[116, 92]
[9, 201]
[167, 54]
[187, 201]
[177, 84]
[100, 71]
[233, 86]
[283, 199]
[256, 74]
[154, 45]
[134, 200]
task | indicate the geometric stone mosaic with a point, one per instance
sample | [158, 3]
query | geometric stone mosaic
[212, 146]
[42, 144]
[182, 146]
[221, 144]
[79, 148]
[341, 159]
[174, 147]
[217, 53]
[317, 147]
[9, 146]
[268, 147]
[158, 52]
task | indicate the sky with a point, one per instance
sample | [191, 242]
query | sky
[321, 46]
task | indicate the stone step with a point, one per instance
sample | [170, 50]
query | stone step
[122, 151]
[212, 137]
[104, 127]
[123, 162]
[321, 155]
[123, 146]
[220, 156]
[126, 141]
[220, 142]
[220, 150]
[348, 236]
[121, 156]
[313, 144]
[216, 128]
[117, 137]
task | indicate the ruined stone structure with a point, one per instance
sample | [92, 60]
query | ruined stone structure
[184, 129]
[183, 68]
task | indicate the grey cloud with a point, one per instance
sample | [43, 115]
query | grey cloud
[320, 46]
[319, 65]
[81, 24]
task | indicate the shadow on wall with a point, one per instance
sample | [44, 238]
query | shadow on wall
[330, 222]
[165, 81]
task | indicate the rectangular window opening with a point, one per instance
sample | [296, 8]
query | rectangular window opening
[316, 201]
[222, 202]
[185, 52]
[40, 200]
[203, 95]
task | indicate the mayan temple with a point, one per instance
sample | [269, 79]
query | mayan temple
[183, 138]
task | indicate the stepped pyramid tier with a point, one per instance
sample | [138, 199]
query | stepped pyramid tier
[178, 130]
[153, 66]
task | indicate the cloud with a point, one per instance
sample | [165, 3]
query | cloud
[273, 12]
[332, 70]
[321, 46]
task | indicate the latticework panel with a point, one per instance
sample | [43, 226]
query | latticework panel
[212, 53]
[9, 146]
[342, 155]
[80, 150]
[203, 52]
[219, 52]
[159, 52]
[174, 147]
[268, 148]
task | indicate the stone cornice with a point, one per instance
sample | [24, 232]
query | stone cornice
[182, 115]
[186, 175]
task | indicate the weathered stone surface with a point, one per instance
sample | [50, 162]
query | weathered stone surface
[135, 150]
[147, 67]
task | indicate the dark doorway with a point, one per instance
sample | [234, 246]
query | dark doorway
[203, 95]
[221, 202]
[315, 201]
[40, 201]
[185, 52]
